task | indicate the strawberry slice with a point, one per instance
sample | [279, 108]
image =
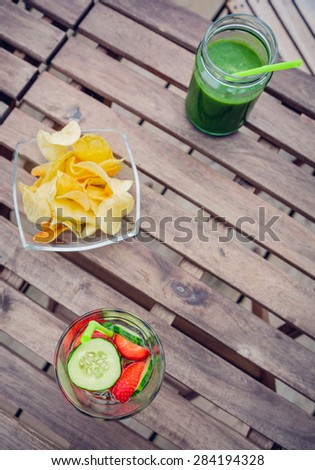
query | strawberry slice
[128, 381]
[130, 350]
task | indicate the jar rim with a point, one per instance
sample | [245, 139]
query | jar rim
[212, 31]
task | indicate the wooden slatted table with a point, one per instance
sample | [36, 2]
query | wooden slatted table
[236, 319]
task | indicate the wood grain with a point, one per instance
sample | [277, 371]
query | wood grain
[15, 74]
[174, 22]
[301, 88]
[175, 65]
[24, 31]
[67, 13]
[284, 127]
[306, 8]
[131, 40]
[193, 300]
[256, 405]
[287, 47]
[38, 395]
[260, 280]
[147, 12]
[17, 436]
[298, 30]
[205, 187]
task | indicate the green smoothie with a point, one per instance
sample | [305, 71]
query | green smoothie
[215, 105]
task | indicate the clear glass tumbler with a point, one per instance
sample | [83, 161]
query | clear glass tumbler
[103, 404]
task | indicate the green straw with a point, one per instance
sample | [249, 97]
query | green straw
[89, 330]
[270, 68]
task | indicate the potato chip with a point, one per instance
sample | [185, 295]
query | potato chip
[76, 189]
[67, 136]
[50, 151]
[50, 233]
[66, 209]
[35, 206]
[93, 148]
[120, 187]
[95, 169]
[41, 170]
[112, 210]
[112, 166]
[79, 197]
[66, 184]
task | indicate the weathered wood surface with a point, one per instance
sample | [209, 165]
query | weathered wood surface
[175, 65]
[37, 394]
[25, 32]
[67, 13]
[298, 30]
[274, 420]
[214, 347]
[205, 187]
[173, 22]
[15, 74]
[275, 289]
[17, 436]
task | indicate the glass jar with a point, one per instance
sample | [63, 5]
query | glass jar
[217, 101]
[102, 404]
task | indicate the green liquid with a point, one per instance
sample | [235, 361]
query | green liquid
[217, 111]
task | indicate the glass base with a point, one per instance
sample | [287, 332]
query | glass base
[215, 134]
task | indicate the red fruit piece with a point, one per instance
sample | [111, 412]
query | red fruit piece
[130, 350]
[128, 381]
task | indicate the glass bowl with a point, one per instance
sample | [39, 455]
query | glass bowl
[101, 404]
[27, 155]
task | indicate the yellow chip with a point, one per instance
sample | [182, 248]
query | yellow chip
[93, 148]
[35, 206]
[120, 187]
[111, 211]
[50, 151]
[41, 170]
[66, 184]
[111, 166]
[66, 209]
[50, 233]
[95, 169]
[67, 136]
[79, 197]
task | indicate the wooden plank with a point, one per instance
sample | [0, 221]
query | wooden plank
[17, 436]
[175, 64]
[256, 405]
[174, 22]
[167, 111]
[295, 88]
[306, 8]
[301, 95]
[287, 48]
[131, 40]
[273, 282]
[36, 393]
[283, 127]
[297, 29]
[67, 13]
[24, 31]
[15, 74]
[222, 197]
[212, 434]
[203, 433]
[191, 299]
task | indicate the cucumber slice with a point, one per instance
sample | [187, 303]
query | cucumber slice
[94, 365]
[145, 376]
[126, 333]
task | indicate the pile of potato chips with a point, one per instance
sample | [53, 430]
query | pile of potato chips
[76, 189]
